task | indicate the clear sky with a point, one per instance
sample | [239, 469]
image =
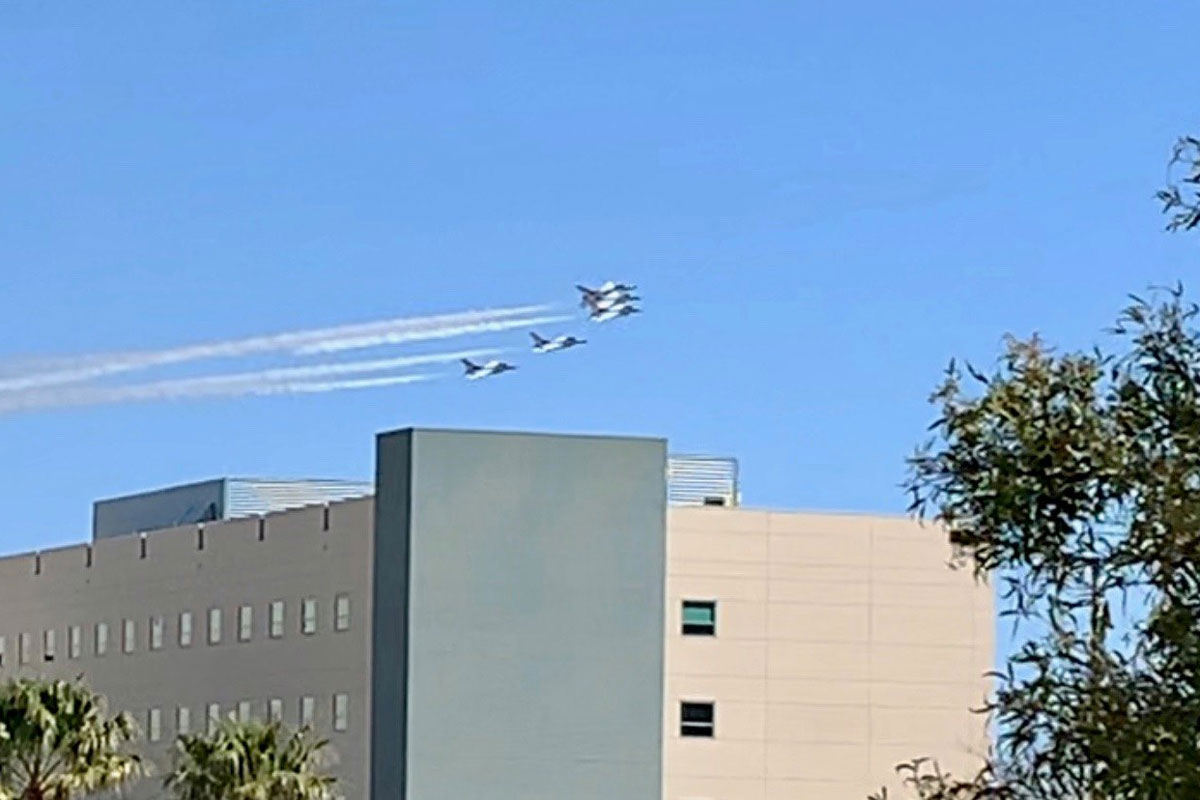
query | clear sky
[821, 206]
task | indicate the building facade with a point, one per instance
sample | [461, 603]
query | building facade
[517, 617]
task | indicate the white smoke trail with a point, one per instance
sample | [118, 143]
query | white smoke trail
[263, 382]
[402, 337]
[404, 329]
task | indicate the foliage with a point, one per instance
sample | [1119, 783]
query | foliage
[1182, 205]
[1075, 479]
[250, 761]
[58, 742]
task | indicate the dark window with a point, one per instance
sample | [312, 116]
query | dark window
[714, 501]
[699, 617]
[696, 719]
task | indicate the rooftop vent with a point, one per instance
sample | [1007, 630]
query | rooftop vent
[694, 480]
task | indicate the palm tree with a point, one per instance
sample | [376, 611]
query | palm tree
[250, 761]
[57, 742]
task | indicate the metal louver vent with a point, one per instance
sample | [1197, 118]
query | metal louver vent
[702, 481]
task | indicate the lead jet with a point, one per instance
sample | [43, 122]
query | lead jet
[475, 372]
[542, 345]
[609, 294]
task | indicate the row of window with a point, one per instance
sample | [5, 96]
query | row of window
[155, 630]
[272, 710]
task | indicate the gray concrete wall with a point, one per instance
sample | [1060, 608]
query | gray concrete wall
[297, 557]
[535, 616]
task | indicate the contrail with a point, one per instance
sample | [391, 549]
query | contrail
[263, 382]
[401, 337]
[343, 337]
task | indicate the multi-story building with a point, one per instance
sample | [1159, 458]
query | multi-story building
[515, 617]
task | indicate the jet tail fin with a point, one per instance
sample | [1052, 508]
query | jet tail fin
[538, 340]
[470, 367]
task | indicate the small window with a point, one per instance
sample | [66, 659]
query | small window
[308, 616]
[1, 651]
[243, 711]
[183, 721]
[154, 724]
[275, 710]
[341, 712]
[245, 623]
[23, 648]
[341, 612]
[214, 626]
[696, 719]
[276, 619]
[214, 717]
[49, 650]
[128, 636]
[307, 707]
[101, 638]
[699, 618]
[156, 633]
[74, 642]
[185, 629]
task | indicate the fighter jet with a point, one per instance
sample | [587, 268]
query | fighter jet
[541, 345]
[475, 372]
[614, 312]
[609, 294]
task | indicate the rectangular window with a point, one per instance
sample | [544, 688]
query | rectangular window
[307, 707]
[101, 638]
[699, 618]
[276, 619]
[49, 651]
[308, 616]
[74, 642]
[23, 648]
[243, 711]
[156, 633]
[214, 718]
[185, 629]
[154, 724]
[214, 626]
[1, 651]
[341, 712]
[275, 710]
[128, 636]
[183, 721]
[341, 612]
[696, 719]
[245, 623]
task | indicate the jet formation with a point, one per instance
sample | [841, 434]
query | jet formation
[607, 302]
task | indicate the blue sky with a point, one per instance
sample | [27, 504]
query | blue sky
[821, 206]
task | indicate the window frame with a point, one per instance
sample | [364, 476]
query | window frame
[245, 622]
[276, 619]
[187, 628]
[128, 636]
[698, 628]
[213, 630]
[698, 728]
[341, 612]
[100, 639]
[155, 627]
[309, 616]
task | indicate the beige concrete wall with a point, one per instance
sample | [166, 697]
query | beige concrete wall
[844, 645]
[297, 558]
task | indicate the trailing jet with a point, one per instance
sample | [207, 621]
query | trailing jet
[475, 372]
[614, 312]
[541, 345]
